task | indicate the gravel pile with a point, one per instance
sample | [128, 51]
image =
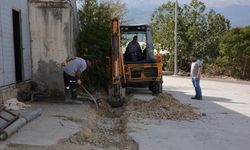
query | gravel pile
[106, 130]
[163, 106]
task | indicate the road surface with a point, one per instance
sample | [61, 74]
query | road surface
[226, 125]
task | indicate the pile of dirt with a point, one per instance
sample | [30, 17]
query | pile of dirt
[91, 136]
[106, 130]
[105, 110]
[163, 106]
[109, 128]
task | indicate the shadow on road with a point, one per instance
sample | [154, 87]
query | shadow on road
[211, 104]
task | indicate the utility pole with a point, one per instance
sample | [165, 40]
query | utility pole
[175, 39]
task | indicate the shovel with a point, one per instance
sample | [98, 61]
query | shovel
[92, 97]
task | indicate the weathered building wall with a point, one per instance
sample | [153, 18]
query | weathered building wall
[7, 55]
[52, 39]
[1, 52]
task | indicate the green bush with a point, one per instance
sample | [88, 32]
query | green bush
[199, 31]
[235, 52]
[94, 40]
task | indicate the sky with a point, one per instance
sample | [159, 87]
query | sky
[237, 11]
[209, 3]
[225, 3]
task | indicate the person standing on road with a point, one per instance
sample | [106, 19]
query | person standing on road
[73, 67]
[196, 67]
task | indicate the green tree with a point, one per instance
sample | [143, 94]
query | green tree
[235, 52]
[217, 26]
[117, 8]
[162, 22]
[95, 36]
[198, 31]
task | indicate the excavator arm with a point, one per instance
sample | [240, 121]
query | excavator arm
[117, 73]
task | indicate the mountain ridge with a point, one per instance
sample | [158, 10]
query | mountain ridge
[239, 15]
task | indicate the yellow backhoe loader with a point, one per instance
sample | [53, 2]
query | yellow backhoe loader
[141, 70]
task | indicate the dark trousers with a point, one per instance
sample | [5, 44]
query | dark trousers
[70, 86]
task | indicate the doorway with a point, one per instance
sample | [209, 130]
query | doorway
[17, 45]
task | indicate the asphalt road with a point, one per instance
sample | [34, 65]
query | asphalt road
[226, 126]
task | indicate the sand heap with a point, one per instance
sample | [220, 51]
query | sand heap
[163, 106]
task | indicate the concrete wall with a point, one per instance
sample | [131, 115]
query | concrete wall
[7, 58]
[52, 39]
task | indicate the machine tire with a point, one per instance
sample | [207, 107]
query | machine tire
[156, 87]
[116, 102]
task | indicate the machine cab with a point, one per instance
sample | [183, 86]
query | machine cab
[140, 51]
[132, 62]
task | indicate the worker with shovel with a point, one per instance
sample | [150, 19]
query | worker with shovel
[73, 67]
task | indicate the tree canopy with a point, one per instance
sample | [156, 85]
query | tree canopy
[94, 40]
[235, 52]
[199, 31]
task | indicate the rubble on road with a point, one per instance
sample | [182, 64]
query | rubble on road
[106, 127]
[14, 104]
[164, 107]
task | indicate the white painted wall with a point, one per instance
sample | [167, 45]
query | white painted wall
[7, 60]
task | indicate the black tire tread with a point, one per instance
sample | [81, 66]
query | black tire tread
[116, 102]
[156, 87]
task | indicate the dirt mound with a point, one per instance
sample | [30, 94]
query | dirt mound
[105, 110]
[109, 127]
[163, 106]
[107, 130]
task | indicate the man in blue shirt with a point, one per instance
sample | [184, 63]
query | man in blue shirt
[196, 75]
[73, 67]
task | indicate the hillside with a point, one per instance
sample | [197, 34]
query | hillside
[141, 13]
